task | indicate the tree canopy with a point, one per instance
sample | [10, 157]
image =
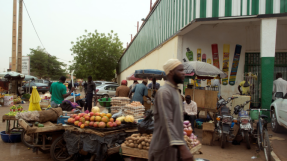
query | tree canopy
[44, 65]
[96, 54]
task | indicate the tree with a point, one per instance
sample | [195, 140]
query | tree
[96, 54]
[44, 65]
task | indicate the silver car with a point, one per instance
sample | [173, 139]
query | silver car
[99, 83]
[106, 90]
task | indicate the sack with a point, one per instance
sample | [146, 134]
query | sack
[147, 125]
[50, 115]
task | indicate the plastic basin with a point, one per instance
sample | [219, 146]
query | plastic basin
[105, 102]
[10, 138]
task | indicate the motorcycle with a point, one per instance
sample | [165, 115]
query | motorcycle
[244, 121]
[223, 121]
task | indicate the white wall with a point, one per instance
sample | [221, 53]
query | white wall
[246, 34]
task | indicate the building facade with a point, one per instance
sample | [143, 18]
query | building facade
[247, 35]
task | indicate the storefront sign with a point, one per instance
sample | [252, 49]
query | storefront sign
[26, 65]
[235, 64]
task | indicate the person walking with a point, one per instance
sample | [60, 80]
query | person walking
[70, 86]
[133, 86]
[167, 143]
[59, 92]
[139, 91]
[123, 90]
[81, 86]
[91, 87]
[279, 85]
[153, 85]
[190, 110]
[85, 87]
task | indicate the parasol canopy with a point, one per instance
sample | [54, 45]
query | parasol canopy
[30, 77]
[150, 73]
[12, 75]
[203, 69]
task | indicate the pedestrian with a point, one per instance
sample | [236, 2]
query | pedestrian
[139, 91]
[81, 86]
[70, 85]
[167, 143]
[85, 87]
[91, 87]
[133, 86]
[279, 85]
[123, 90]
[153, 84]
[245, 87]
[190, 110]
[59, 92]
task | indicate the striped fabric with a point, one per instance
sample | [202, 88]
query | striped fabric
[170, 16]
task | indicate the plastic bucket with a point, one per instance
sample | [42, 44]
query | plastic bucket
[10, 138]
[254, 114]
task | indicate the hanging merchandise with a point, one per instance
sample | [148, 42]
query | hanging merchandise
[198, 54]
[34, 100]
[235, 64]
[208, 80]
[203, 57]
[215, 56]
[226, 51]
[189, 54]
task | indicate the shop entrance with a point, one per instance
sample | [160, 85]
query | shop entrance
[253, 65]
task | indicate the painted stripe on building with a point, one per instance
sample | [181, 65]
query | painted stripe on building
[171, 15]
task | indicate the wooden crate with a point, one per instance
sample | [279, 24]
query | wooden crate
[207, 136]
[203, 98]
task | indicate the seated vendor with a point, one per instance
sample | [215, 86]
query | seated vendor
[190, 110]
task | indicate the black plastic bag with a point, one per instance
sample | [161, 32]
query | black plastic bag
[146, 126]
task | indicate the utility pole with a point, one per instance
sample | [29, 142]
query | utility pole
[14, 38]
[20, 24]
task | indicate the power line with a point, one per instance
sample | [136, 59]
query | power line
[37, 32]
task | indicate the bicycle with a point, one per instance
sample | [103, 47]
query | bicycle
[262, 135]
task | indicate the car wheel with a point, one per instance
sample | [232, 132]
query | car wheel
[274, 122]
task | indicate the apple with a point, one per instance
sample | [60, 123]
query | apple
[91, 113]
[93, 118]
[96, 124]
[76, 123]
[91, 123]
[115, 124]
[77, 118]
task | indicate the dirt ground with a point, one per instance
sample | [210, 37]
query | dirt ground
[19, 152]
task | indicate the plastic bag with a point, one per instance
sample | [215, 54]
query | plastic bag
[119, 114]
[146, 126]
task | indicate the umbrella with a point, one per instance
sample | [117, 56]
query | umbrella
[30, 77]
[150, 73]
[132, 77]
[12, 74]
[203, 69]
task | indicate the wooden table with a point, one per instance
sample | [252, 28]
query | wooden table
[8, 119]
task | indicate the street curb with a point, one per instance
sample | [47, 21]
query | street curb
[274, 156]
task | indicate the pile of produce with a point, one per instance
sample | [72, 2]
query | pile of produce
[14, 110]
[189, 137]
[96, 120]
[135, 109]
[17, 100]
[140, 141]
[128, 118]
[26, 96]
[118, 104]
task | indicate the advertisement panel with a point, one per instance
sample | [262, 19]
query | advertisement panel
[26, 65]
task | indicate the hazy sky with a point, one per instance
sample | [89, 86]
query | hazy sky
[58, 22]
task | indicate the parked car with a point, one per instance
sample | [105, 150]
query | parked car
[106, 90]
[41, 87]
[279, 112]
[99, 83]
[43, 81]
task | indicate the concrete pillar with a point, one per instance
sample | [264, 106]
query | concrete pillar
[267, 51]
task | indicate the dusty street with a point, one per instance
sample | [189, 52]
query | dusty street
[18, 151]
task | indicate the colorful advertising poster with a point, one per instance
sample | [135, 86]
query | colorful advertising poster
[198, 54]
[235, 64]
[203, 57]
[226, 51]
[215, 56]
[189, 54]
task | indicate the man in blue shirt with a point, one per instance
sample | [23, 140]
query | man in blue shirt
[153, 85]
[59, 92]
[139, 91]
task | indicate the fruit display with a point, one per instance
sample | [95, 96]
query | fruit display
[140, 141]
[128, 118]
[96, 120]
[135, 109]
[17, 100]
[14, 110]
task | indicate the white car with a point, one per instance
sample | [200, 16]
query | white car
[279, 112]
[106, 90]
